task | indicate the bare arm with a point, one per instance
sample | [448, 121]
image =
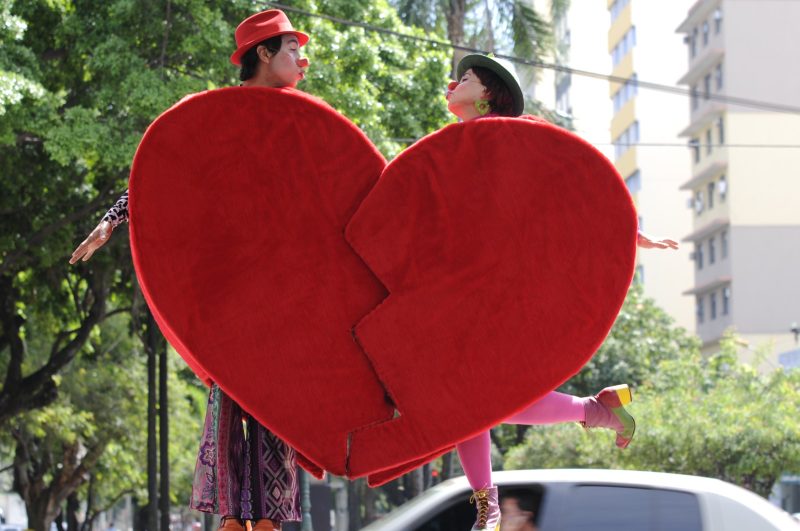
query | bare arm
[650, 242]
[116, 215]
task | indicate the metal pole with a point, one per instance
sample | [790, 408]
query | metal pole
[152, 447]
[163, 435]
[305, 501]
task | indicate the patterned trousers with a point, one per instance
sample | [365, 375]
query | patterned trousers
[243, 469]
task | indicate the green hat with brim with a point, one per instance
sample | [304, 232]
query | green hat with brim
[506, 73]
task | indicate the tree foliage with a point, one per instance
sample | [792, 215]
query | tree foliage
[80, 81]
[714, 417]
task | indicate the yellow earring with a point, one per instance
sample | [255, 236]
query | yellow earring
[482, 106]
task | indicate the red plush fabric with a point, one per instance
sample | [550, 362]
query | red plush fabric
[238, 199]
[507, 246]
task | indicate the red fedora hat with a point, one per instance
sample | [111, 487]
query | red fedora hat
[260, 27]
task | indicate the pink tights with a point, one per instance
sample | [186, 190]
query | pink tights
[475, 453]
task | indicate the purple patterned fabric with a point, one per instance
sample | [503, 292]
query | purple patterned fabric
[243, 469]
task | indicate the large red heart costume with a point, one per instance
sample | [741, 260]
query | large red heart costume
[506, 245]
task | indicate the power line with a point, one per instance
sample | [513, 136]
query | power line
[745, 102]
[655, 144]
[706, 146]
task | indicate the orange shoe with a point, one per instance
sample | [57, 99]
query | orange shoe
[231, 523]
[265, 524]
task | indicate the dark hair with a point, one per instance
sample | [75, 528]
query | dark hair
[525, 501]
[500, 100]
[250, 57]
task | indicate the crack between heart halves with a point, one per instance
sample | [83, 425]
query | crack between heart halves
[390, 399]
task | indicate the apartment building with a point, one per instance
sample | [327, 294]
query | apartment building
[645, 122]
[634, 40]
[745, 173]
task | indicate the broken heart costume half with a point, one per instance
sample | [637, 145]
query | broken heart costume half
[259, 291]
[507, 246]
[244, 474]
[506, 262]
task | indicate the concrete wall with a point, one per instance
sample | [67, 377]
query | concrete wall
[658, 57]
[766, 278]
[762, 39]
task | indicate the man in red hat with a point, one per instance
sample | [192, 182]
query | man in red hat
[239, 472]
[268, 52]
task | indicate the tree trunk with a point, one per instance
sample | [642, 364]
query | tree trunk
[43, 482]
[38, 389]
[456, 13]
[139, 516]
[447, 466]
[88, 521]
[59, 521]
[413, 484]
[489, 26]
[73, 506]
[427, 478]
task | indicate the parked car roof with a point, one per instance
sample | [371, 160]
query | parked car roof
[430, 500]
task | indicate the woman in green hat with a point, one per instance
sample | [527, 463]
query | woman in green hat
[488, 88]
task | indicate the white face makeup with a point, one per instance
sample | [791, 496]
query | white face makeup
[462, 95]
[287, 67]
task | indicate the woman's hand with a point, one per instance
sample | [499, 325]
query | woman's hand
[96, 239]
[648, 242]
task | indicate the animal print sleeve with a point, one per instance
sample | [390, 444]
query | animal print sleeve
[119, 212]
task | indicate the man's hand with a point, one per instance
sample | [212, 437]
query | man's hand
[648, 242]
[96, 239]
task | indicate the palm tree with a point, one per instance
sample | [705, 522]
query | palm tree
[530, 33]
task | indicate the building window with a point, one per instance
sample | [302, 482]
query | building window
[707, 87]
[726, 300]
[718, 76]
[693, 96]
[694, 144]
[639, 276]
[709, 141]
[693, 43]
[626, 139]
[699, 309]
[626, 92]
[616, 9]
[723, 243]
[712, 250]
[712, 303]
[698, 202]
[711, 195]
[706, 32]
[625, 45]
[634, 182]
[563, 104]
[717, 20]
[722, 186]
[698, 255]
[721, 130]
